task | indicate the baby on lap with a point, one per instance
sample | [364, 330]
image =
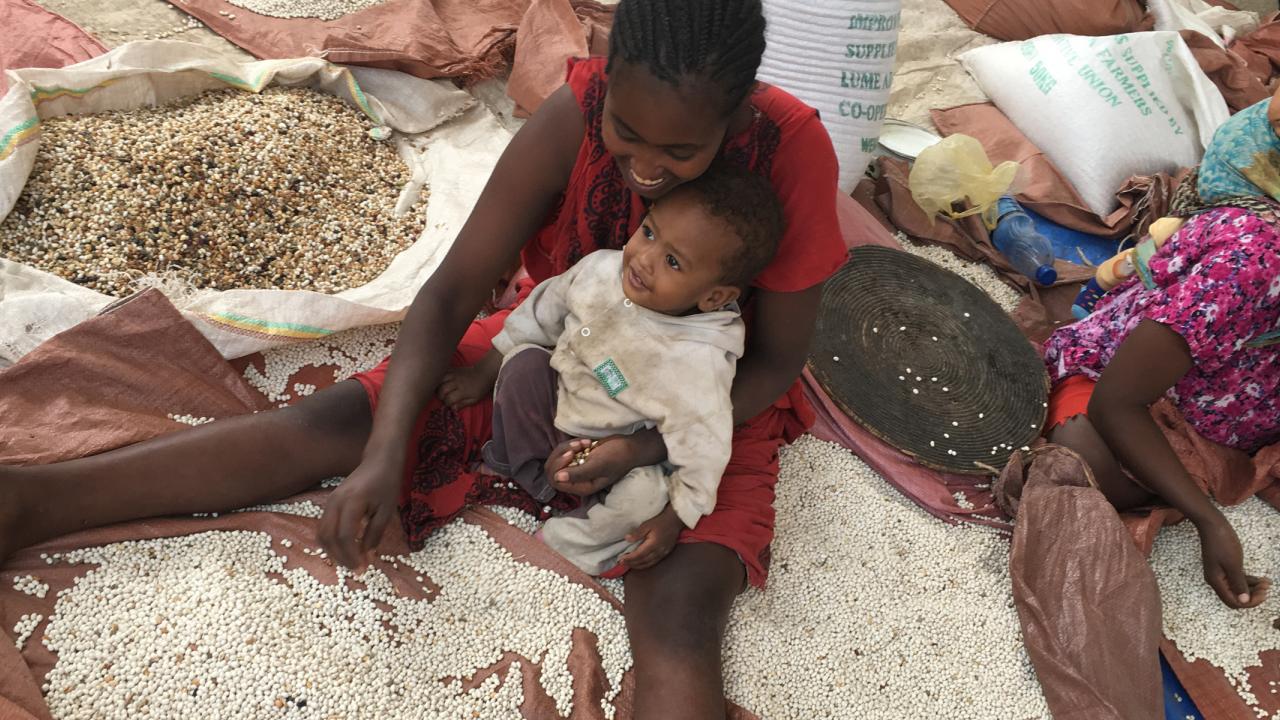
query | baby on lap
[645, 337]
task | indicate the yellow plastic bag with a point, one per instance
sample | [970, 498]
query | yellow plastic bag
[957, 170]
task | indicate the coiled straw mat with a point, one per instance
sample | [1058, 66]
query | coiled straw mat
[927, 362]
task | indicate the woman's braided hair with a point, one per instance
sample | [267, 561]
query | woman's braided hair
[720, 41]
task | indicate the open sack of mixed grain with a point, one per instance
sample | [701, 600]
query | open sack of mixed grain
[275, 201]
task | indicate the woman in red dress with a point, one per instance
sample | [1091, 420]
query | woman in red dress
[677, 92]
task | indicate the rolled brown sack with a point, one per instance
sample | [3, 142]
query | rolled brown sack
[1086, 598]
[1025, 19]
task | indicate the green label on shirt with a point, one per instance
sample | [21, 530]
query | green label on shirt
[611, 377]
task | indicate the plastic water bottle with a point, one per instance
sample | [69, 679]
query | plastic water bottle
[1016, 237]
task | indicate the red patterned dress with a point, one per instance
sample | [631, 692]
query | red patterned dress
[787, 143]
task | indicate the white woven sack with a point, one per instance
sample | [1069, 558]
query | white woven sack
[454, 158]
[1104, 108]
[837, 56]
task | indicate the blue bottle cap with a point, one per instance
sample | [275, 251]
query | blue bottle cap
[1005, 205]
[1046, 275]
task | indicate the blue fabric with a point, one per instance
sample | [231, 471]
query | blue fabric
[1177, 703]
[1243, 160]
[1066, 241]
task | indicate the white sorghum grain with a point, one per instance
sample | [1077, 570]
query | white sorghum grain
[347, 352]
[306, 508]
[190, 419]
[281, 190]
[519, 518]
[320, 9]
[197, 641]
[30, 585]
[1195, 619]
[979, 274]
[962, 500]
[616, 586]
[25, 626]
[912, 595]
[916, 621]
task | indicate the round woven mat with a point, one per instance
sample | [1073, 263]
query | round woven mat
[927, 362]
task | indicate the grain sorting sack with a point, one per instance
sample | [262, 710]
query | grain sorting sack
[454, 159]
[1104, 108]
[837, 56]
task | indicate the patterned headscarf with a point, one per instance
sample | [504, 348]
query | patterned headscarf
[1242, 162]
[1241, 168]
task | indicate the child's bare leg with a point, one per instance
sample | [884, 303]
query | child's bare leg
[220, 466]
[1078, 434]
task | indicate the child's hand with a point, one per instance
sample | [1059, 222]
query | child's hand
[608, 462]
[611, 459]
[463, 386]
[1224, 567]
[657, 537]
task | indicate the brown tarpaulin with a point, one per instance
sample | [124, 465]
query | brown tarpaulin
[31, 36]
[1244, 71]
[466, 39]
[1260, 49]
[1085, 592]
[1025, 19]
[552, 32]
[1086, 598]
[112, 381]
[1239, 84]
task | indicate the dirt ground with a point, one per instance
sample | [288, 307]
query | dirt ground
[120, 21]
[1261, 7]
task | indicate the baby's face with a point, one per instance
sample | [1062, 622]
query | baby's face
[673, 263]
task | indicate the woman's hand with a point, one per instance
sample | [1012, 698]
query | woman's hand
[1224, 566]
[359, 511]
[657, 537]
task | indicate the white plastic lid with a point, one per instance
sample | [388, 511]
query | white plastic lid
[904, 139]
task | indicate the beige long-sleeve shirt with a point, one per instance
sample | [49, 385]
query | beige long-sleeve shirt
[623, 368]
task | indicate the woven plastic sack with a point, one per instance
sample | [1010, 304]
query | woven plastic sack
[957, 170]
[837, 56]
[455, 159]
[1104, 109]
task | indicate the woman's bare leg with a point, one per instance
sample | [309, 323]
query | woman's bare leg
[220, 466]
[676, 613]
[1078, 434]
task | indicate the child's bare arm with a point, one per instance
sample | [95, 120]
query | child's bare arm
[465, 386]
[1149, 362]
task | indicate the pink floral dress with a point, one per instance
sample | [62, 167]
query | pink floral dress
[1217, 284]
